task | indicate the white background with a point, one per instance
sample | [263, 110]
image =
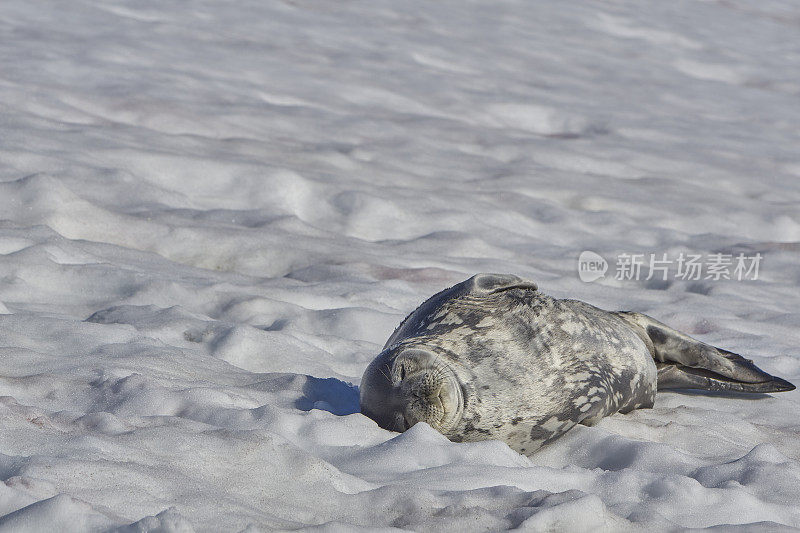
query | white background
[214, 213]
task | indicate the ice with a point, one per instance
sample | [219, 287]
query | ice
[214, 214]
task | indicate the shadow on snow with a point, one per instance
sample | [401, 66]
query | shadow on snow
[329, 394]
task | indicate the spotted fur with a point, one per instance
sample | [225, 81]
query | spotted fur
[527, 367]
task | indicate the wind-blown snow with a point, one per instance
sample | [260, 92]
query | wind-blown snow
[213, 214]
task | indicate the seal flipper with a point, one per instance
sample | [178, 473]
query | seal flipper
[686, 363]
[478, 286]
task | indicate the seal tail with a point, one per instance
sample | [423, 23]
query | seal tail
[686, 363]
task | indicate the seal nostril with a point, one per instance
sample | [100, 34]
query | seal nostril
[436, 396]
[402, 372]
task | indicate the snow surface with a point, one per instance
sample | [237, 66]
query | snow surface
[213, 214]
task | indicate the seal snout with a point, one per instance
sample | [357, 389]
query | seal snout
[435, 396]
[428, 389]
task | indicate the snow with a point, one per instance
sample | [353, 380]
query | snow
[213, 215]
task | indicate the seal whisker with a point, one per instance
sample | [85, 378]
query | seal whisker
[385, 374]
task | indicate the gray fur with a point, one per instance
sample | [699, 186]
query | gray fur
[494, 358]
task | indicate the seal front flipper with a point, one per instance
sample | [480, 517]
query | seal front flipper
[686, 363]
[485, 284]
[478, 286]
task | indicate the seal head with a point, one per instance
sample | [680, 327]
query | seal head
[409, 384]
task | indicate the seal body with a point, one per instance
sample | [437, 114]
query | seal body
[494, 358]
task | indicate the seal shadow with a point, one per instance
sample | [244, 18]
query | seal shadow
[329, 394]
[719, 394]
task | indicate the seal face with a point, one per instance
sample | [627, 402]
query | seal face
[494, 358]
[409, 385]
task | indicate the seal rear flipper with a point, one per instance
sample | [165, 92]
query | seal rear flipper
[686, 363]
[672, 376]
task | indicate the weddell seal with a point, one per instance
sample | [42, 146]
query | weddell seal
[494, 358]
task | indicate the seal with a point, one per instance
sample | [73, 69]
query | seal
[495, 358]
